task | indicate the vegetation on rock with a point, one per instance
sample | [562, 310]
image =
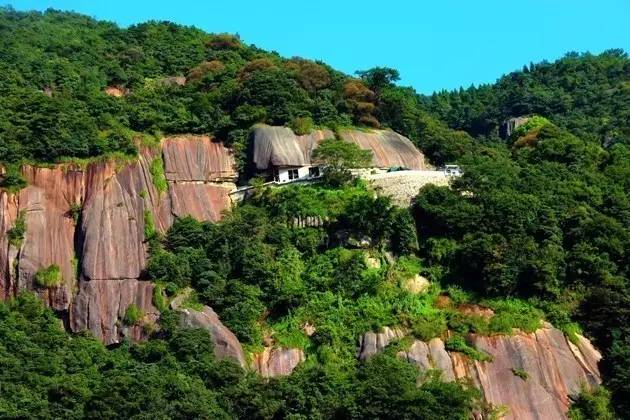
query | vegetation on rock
[49, 277]
[538, 226]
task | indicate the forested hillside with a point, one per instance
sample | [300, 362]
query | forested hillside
[537, 228]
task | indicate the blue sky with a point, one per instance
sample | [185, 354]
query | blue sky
[435, 45]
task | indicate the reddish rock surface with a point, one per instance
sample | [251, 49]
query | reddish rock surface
[101, 305]
[46, 205]
[113, 219]
[226, 345]
[197, 158]
[199, 200]
[8, 214]
[273, 362]
[553, 372]
[111, 200]
[555, 368]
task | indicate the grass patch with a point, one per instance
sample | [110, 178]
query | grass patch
[49, 277]
[301, 125]
[458, 344]
[149, 225]
[17, 232]
[157, 174]
[513, 313]
[133, 315]
[159, 299]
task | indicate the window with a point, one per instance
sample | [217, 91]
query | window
[276, 175]
[313, 171]
[293, 174]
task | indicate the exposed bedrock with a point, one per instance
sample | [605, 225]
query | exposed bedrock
[226, 345]
[273, 362]
[101, 305]
[90, 221]
[200, 174]
[279, 146]
[554, 368]
[45, 205]
[8, 213]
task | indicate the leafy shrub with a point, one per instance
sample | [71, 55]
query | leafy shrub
[157, 174]
[159, 300]
[133, 315]
[534, 122]
[149, 226]
[17, 232]
[520, 373]
[457, 343]
[12, 180]
[49, 277]
[514, 313]
[301, 125]
[592, 404]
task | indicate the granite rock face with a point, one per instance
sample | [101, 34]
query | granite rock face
[90, 221]
[45, 205]
[279, 146]
[226, 345]
[374, 342]
[273, 362]
[555, 367]
[101, 305]
[9, 205]
[200, 174]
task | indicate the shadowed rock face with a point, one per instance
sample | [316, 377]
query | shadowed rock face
[102, 253]
[273, 362]
[8, 213]
[556, 369]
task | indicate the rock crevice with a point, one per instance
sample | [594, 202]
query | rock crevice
[90, 221]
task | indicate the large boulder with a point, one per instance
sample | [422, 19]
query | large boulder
[533, 375]
[273, 362]
[374, 342]
[226, 345]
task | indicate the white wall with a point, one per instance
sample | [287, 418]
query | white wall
[283, 174]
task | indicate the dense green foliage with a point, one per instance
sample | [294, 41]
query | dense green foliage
[56, 66]
[548, 220]
[49, 277]
[587, 94]
[537, 227]
[338, 157]
[45, 373]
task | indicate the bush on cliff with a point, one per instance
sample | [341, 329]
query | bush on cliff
[49, 277]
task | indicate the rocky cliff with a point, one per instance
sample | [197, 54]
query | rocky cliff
[279, 146]
[531, 375]
[91, 221]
